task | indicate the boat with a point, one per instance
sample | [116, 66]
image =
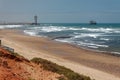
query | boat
[93, 22]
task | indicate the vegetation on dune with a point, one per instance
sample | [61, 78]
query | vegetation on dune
[68, 74]
[31, 79]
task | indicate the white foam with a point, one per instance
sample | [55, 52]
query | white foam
[98, 45]
[105, 39]
[102, 45]
[55, 28]
[76, 33]
[117, 31]
[93, 35]
[30, 32]
[91, 44]
[9, 26]
[52, 29]
[64, 40]
[62, 28]
[103, 30]
[93, 47]
[116, 52]
[74, 29]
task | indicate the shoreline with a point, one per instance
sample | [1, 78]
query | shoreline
[92, 50]
[117, 54]
[76, 46]
[90, 63]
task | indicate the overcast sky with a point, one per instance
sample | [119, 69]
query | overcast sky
[60, 11]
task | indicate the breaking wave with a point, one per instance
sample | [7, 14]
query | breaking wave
[62, 28]
[10, 26]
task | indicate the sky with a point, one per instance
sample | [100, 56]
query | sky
[60, 11]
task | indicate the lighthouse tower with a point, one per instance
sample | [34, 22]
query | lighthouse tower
[35, 19]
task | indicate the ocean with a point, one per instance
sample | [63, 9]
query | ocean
[100, 37]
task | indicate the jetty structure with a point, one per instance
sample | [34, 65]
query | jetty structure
[93, 22]
[35, 18]
[22, 23]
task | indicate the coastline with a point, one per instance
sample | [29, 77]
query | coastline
[91, 63]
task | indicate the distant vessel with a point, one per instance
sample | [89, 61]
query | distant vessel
[93, 22]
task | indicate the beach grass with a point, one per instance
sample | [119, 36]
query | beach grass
[67, 73]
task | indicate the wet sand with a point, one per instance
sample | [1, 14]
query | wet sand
[94, 64]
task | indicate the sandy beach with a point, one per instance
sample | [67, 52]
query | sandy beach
[97, 65]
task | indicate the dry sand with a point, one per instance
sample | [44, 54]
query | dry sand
[97, 65]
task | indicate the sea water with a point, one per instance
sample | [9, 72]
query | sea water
[100, 37]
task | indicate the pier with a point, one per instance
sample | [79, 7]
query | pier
[15, 23]
[22, 23]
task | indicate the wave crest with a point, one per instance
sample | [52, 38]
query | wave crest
[10, 26]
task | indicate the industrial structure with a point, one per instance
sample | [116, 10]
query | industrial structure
[35, 19]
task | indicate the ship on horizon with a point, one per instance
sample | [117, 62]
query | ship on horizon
[93, 22]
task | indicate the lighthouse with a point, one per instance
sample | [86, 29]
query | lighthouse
[35, 19]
